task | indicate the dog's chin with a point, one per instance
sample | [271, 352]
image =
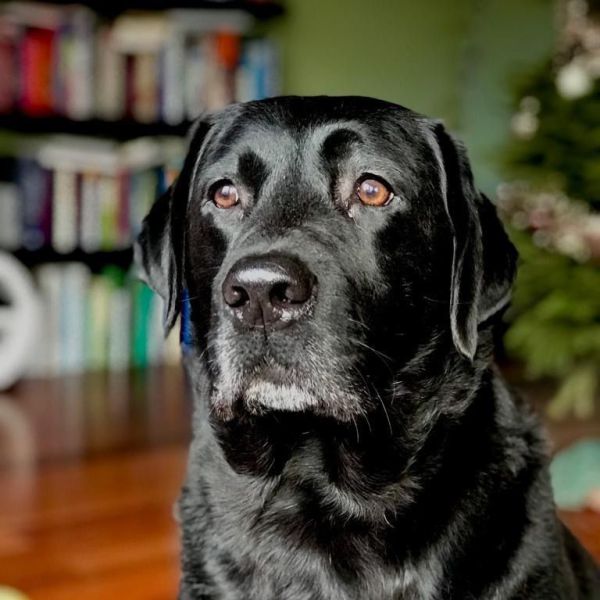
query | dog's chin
[270, 392]
[263, 395]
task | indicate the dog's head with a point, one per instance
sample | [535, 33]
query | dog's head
[322, 244]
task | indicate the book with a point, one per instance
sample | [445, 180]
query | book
[33, 184]
[35, 66]
[9, 76]
[110, 76]
[139, 33]
[77, 64]
[257, 76]
[142, 309]
[10, 217]
[155, 335]
[108, 199]
[98, 321]
[190, 21]
[173, 76]
[119, 320]
[75, 192]
[65, 211]
[145, 88]
[194, 67]
[90, 238]
[75, 281]
[46, 361]
[166, 65]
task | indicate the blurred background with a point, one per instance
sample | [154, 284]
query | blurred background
[95, 101]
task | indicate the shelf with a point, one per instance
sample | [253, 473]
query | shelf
[123, 129]
[96, 261]
[259, 10]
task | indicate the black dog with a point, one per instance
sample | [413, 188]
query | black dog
[342, 277]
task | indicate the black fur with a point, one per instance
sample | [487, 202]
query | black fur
[369, 450]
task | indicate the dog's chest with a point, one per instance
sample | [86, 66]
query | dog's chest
[281, 552]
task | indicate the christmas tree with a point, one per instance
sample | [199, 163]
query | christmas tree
[553, 211]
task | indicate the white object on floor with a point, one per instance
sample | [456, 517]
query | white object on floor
[11, 594]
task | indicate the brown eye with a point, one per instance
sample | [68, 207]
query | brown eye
[225, 196]
[373, 192]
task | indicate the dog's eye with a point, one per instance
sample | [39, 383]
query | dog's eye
[225, 195]
[373, 192]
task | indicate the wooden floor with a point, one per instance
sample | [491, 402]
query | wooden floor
[99, 529]
[86, 498]
[89, 471]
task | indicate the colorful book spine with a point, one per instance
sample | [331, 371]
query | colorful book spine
[36, 96]
[46, 359]
[10, 217]
[85, 194]
[162, 66]
[97, 319]
[34, 186]
[142, 315]
[75, 278]
[90, 234]
[65, 210]
[9, 75]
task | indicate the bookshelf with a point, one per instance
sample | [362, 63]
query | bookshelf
[259, 9]
[95, 100]
[117, 129]
[96, 261]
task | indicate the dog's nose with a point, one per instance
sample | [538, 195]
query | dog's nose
[270, 291]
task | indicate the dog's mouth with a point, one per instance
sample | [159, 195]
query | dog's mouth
[267, 387]
[273, 387]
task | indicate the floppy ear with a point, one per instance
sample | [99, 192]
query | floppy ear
[484, 259]
[158, 250]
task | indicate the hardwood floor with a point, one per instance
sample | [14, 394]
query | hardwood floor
[98, 528]
[89, 470]
[87, 490]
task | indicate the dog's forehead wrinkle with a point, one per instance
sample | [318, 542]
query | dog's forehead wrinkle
[336, 147]
[267, 142]
[277, 142]
[331, 141]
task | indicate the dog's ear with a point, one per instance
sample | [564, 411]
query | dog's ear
[484, 259]
[158, 250]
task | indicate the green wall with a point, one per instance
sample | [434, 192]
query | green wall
[405, 51]
[449, 59]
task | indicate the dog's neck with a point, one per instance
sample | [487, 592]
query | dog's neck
[393, 483]
[375, 465]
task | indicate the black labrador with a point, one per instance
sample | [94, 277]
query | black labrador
[340, 277]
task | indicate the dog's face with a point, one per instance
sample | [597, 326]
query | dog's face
[320, 245]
